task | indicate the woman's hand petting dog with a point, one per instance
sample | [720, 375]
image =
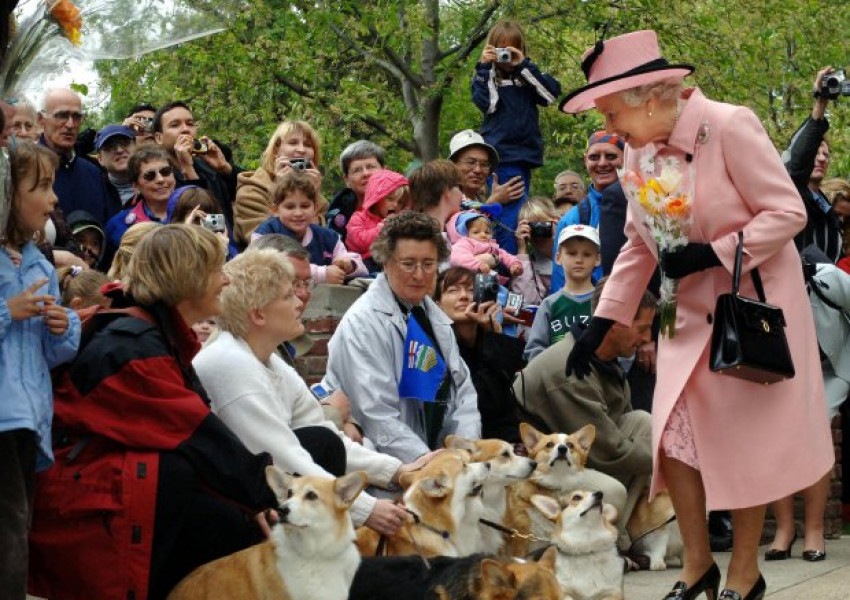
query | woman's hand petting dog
[415, 465]
[387, 517]
[266, 520]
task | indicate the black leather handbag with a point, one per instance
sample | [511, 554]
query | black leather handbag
[748, 340]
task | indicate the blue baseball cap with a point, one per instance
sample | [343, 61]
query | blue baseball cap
[111, 131]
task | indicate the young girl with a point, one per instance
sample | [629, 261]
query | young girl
[294, 196]
[36, 334]
[81, 287]
[535, 249]
[507, 88]
[387, 193]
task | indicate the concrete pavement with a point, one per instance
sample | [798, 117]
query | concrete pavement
[792, 579]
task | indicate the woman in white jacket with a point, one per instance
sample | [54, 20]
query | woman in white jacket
[264, 401]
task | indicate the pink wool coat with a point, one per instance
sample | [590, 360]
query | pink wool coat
[755, 443]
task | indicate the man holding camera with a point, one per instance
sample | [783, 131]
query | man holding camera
[807, 160]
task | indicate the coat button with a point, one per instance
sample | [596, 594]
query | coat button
[709, 318]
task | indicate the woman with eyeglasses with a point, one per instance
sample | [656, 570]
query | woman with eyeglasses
[395, 355]
[152, 176]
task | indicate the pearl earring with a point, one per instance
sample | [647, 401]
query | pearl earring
[649, 114]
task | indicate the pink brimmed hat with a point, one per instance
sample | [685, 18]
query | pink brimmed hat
[618, 64]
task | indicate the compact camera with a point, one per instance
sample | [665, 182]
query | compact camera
[214, 223]
[200, 146]
[299, 164]
[834, 85]
[540, 230]
[503, 55]
[485, 288]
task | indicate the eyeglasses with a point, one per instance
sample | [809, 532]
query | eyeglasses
[471, 163]
[117, 143]
[410, 266]
[303, 285]
[609, 156]
[573, 186]
[164, 171]
[63, 115]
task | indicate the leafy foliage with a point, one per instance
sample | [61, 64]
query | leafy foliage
[398, 71]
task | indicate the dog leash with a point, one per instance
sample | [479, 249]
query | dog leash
[654, 529]
[417, 520]
[513, 533]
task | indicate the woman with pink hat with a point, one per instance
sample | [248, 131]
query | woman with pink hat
[719, 442]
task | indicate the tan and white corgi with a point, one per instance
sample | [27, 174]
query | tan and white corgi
[440, 495]
[537, 580]
[588, 565]
[506, 469]
[655, 532]
[310, 554]
[560, 462]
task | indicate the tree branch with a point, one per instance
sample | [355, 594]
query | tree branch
[388, 67]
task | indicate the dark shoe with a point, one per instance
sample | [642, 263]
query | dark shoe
[814, 555]
[720, 530]
[708, 583]
[777, 554]
[757, 593]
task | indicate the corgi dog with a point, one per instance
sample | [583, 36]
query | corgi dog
[439, 495]
[506, 469]
[653, 532]
[588, 565]
[310, 554]
[560, 462]
[474, 577]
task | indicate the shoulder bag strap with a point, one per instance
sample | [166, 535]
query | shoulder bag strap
[736, 275]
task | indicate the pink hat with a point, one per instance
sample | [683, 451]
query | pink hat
[381, 184]
[621, 63]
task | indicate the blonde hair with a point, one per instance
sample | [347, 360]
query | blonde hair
[507, 33]
[257, 277]
[666, 90]
[836, 187]
[75, 282]
[284, 130]
[538, 208]
[129, 241]
[173, 263]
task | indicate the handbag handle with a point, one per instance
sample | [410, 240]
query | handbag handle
[736, 273]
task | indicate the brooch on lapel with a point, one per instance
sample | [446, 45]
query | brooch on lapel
[704, 132]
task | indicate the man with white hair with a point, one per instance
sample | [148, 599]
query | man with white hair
[79, 185]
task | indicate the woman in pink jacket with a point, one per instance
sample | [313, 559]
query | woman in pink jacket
[719, 442]
[386, 193]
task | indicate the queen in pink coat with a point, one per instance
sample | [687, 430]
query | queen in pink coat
[719, 442]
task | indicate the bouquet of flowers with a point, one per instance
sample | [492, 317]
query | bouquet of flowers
[660, 193]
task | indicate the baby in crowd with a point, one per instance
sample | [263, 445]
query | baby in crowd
[477, 250]
[294, 197]
[386, 193]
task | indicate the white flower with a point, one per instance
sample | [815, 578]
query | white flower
[670, 161]
[647, 163]
[670, 178]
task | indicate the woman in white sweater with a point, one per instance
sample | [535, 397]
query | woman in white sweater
[265, 402]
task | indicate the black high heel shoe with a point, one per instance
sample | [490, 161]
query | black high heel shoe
[708, 583]
[814, 555]
[777, 554]
[756, 593]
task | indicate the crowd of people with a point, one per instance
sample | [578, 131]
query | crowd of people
[160, 288]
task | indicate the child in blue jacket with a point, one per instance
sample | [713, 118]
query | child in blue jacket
[508, 88]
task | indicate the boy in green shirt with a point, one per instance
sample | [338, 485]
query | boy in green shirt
[578, 254]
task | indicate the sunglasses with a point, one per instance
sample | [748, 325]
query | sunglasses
[63, 115]
[164, 171]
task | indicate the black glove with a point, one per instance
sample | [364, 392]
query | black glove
[690, 259]
[578, 361]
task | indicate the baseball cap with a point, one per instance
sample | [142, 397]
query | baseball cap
[466, 138]
[583, 231]
[110, 131]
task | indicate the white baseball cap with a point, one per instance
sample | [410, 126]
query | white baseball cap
[468, 137]
[583, 231]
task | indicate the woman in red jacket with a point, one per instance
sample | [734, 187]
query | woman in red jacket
[148, 484]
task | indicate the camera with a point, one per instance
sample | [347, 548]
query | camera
[299, 164]
[834, 85]
[503, 55]
[214, 223]
[513, 304]
[200, 146]
[540, 230]
[485, 288]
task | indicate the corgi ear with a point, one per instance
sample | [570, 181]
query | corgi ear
[435, 487]
[547, 505]
[496, 575]
[585, 436]
[348, 487]
[609, 512]
[529, 435]
[548, 558]
[455, 442]
[279, 482]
